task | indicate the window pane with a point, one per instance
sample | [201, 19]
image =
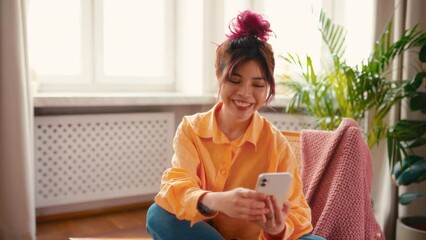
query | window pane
[134, 38]
[295, 28]
[54, 36]
[359, 40]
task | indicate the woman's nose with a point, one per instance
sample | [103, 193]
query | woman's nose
[245, 90]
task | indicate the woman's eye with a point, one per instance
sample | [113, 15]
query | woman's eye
[233, 81]
[258, 86]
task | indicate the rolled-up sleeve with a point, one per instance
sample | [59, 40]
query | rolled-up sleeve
[180, 185]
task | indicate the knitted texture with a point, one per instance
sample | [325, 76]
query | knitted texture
[337, 176]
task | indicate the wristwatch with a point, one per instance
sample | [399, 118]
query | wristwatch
[206, 211]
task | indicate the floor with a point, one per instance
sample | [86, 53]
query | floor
[125, 224]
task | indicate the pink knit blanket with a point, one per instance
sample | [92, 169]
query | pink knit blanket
[337, 176]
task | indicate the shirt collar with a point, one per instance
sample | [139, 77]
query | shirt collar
[207, 128]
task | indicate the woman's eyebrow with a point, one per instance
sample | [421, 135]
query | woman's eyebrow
[255, 78]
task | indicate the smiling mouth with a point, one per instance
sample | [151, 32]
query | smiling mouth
[242, 105]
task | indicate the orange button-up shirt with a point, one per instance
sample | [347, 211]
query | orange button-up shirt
[205, 160]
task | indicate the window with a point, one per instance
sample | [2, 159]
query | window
[169, 45]
[102, 44]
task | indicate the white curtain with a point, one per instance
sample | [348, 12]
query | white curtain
[404, 14]
[17, 208]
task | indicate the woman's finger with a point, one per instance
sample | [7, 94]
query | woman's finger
[250, 203]
[271, 215]
[277, 213]
[251, 194]
[252, 211]
[286, 207]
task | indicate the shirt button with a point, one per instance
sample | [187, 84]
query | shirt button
[222, 172]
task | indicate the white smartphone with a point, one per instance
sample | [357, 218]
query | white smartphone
[276, 184]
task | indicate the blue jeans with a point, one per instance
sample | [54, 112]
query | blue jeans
[161, 224]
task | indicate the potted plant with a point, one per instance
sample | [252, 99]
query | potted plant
[342, 91]
[409, 166]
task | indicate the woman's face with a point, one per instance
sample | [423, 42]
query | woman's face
[244, 92]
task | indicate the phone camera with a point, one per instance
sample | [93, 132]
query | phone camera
[264, 180]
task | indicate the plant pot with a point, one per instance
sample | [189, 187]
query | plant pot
[413, 228]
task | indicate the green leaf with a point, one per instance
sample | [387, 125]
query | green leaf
[414, 173]
[407, 130]
[422, 54]
[394, 155]
[384, 53]
[418, 102]
[333, 35]
[412, 85]
[415, 143]
[408, 197]
[404, 164]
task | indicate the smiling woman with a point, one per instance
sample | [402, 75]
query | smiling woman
[209, 192]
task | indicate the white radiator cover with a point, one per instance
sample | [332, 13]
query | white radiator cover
[81, 158]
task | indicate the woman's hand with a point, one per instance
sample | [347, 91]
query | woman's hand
[240, 203]
[273, 222]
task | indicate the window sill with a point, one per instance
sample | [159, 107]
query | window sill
[45, 100]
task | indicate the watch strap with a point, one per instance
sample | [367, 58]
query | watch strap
[206, 211]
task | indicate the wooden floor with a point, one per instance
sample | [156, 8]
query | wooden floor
[124, 224]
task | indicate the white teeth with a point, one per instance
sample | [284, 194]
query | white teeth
[241, 104]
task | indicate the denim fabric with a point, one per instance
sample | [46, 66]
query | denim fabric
[311, 237]
[162, 225]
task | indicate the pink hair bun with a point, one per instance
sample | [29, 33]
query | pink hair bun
[249, 24]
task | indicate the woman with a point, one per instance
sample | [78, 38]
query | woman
[209, 191]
